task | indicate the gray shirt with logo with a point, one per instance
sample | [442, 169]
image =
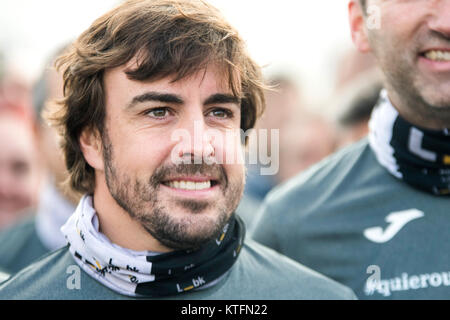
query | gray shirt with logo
[349, 219]
[259, 273]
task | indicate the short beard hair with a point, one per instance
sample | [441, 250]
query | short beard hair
[136, 197]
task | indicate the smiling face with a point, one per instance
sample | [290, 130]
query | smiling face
[412, 47]
[180, 205]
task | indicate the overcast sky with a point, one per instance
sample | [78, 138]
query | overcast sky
[303, 36]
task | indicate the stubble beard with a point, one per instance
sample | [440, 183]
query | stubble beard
[140, 200]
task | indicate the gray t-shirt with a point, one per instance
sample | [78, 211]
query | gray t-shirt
[259, 273]
[3, 275]
[20, 245]
[349, 219]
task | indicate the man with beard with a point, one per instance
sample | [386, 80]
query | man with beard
[375, 215]
[152, 90]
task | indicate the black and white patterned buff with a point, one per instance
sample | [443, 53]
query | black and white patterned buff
[146, 274]
[420, 157]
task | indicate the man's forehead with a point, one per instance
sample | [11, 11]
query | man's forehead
[214, 76]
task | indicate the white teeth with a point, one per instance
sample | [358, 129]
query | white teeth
[190, 185]
[203, 185]
[437, 55]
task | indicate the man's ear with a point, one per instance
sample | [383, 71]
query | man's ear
[358, 26]
[91, 146]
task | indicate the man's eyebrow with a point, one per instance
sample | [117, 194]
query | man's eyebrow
[155, 96]
[223, 98]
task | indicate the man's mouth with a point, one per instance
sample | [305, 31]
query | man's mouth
[190, 185]
[437, 55]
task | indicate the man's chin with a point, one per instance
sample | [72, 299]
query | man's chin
[438, 103]
[434, 92]
[179, 228]
[193, 206]
[189, 236]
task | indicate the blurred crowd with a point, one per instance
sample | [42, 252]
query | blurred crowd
[32, 169]
[32, 166]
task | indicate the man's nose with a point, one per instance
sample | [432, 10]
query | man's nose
[440, 22]
[194, 142]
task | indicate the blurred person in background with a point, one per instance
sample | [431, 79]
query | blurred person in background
[15, 89]
[29, 239]
[304, 140]
[375, 215]
[20, 171]
[350, 67]
[305, 137]
[356, 91]
[357, 102]
[282, 100]
[21, 163]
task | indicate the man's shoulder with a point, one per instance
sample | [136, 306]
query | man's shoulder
[20, 245]
[13, 239]
[333, 170]
[316, 194]
[350, 169]
[35, 280]
[262, 273]
[55, 276]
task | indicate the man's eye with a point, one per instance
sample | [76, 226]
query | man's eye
[158, 113]
[221, 113]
